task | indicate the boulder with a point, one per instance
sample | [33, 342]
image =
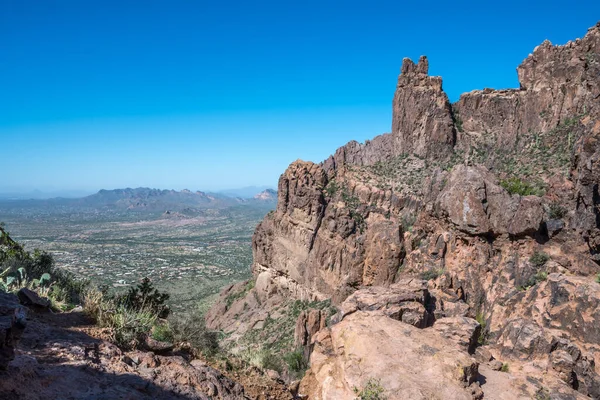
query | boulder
[407, 362]
[461, 330]
[407, 301]
[28, 297]
[474, 202]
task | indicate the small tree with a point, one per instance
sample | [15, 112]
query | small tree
[146, 297]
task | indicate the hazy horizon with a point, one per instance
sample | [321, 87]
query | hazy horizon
[219, 95]
[23, 194]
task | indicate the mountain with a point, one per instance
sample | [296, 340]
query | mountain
[155, 199]
[454, 257]
[141, 199]
[266, 195]
[245, 192]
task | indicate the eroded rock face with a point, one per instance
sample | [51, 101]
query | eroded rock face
[421, 113]
[474, 202]
[407, 301]
[428, 203]
[410, 363]
[321, 242]
[557, 82]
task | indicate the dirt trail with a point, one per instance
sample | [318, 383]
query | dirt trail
[62, 356]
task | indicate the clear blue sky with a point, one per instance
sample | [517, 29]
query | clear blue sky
[215, 94]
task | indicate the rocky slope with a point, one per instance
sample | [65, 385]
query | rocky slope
[63, 356]
[461, 249]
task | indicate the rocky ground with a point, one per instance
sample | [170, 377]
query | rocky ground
[66, 356]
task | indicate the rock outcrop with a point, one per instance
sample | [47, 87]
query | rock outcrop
[422, 122]
[409, 363]
[473, 225]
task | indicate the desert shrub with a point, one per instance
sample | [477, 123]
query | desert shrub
[556, 211]
[129, 322]
[483, 335]
[295, 361]
[539, 258]
[408, 221]
[38, 272]
[432, 274]
[515, 185]
[263, 358]
[504, 367]
[130, 327]
[598, 278]
[372, 390]
[162, 332]
[332, 188]
[144, 297]
[538, 277]
[191, 328]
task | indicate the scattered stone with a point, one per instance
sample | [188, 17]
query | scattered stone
[157, 346]
[28, 297]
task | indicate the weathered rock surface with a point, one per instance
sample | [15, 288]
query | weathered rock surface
[474, 202]
[421, 113]
[493, 201]
[461, 330]
[407, 301]
[28, 297]
[410, 363]
[59, 359]
[12, 324]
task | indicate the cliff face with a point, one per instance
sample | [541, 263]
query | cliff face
[491, 202]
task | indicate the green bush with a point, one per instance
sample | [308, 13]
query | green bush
[539, 258]
[38, 272]
[431, 274]
[162, 332]
[191, 328]
[515, 185]
[372, 390]
[556, 211]
[483, 334]
[130, 327]
[539, 276]
[504, 367]
[144, 297]
[130, 318]
[295, 361]
[598, 278]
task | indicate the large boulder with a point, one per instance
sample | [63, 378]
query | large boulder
[407, 362]
[407, 300]
[473, 201]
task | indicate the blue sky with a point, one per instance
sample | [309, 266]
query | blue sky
[211, 95]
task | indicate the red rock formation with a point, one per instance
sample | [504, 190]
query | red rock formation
[493, 200]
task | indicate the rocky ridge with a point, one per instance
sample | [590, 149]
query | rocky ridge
[472, 226]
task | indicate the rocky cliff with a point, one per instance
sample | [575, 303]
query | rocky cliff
[488, 207]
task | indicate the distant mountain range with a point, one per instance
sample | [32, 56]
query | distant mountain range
[147, 199]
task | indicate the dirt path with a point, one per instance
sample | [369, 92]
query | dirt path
[61, 356]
